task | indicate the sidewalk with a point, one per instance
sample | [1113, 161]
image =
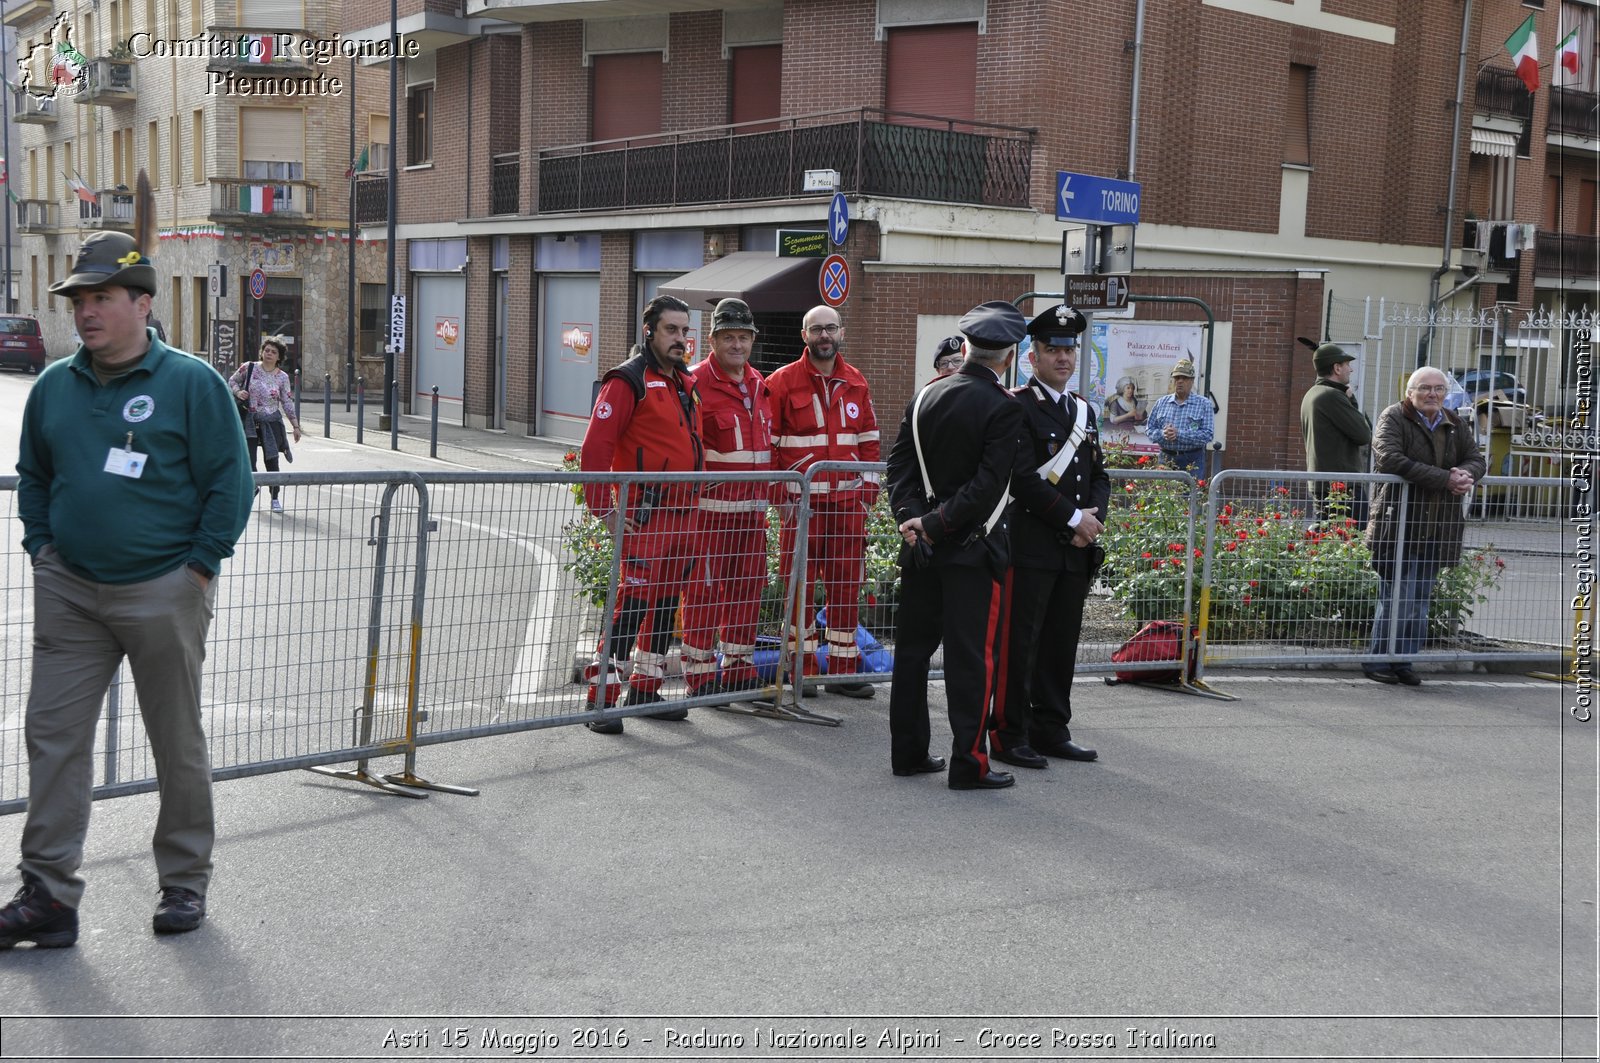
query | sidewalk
[484, 449]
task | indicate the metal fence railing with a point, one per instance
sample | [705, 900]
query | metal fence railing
[383, 613]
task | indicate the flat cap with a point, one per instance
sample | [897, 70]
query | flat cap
[1183, 368]
[946, 347]
[994, 325]
[733, 314]
[1329, 355]
[1059, 326]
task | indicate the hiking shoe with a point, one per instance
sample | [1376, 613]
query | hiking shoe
[33, 915]
[179, 910]
[650, 697]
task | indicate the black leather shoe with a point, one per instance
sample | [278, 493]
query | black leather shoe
[604, 727]
[1406, 677]
[1021, 756]
[994, 780]
[1381, 676]
[928, 765]
[850, 690]
[1068, 750]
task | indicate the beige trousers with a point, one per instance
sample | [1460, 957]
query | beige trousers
[81, 632]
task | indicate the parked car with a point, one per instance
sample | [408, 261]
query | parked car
[1482, 383]
[21, 342]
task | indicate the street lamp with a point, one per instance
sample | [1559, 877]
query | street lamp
[394, 176]
[5, 142]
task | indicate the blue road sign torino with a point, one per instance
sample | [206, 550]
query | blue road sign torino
[1099, 200]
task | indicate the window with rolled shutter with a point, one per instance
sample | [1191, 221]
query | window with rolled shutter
[625, 98]
[271, 149]
[272, 14]
[933, 70]
[755, 84]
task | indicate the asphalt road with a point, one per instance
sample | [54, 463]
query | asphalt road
[1323, 868]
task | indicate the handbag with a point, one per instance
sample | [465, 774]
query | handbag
[244, 404]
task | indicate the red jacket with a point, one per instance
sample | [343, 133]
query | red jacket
[737, 439]
[817, 419]
[643, 421]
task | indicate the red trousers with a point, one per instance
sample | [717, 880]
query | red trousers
[835, 554]
[724, 598]
[657, 563]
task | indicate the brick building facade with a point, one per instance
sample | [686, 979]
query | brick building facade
[1285, 154]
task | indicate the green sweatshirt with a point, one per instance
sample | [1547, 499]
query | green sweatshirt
[191, 502]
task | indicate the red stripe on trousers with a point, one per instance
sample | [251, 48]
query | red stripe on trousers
[1003, 670]
[988, 679]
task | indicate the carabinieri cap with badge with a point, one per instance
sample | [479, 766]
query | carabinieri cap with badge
[1058, 326]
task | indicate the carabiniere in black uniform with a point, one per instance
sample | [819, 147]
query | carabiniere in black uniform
[1050, 576]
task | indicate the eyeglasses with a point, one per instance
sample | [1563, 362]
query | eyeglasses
[1430, 389]
[949, 361]
[819, 330]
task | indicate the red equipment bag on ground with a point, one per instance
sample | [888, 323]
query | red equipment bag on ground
[1159, 640]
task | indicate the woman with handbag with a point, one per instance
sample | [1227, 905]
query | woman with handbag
[266, 401]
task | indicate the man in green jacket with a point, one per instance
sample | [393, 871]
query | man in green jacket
[133, 487]
[1334, 427]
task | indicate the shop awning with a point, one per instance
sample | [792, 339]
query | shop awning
[766, 282]
[1494, 142]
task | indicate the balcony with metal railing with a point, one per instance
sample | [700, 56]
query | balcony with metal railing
[372, 198]
[1502, 93]
[263, 201]
[107, 82]
[1574, 113]
[1566, 255]
[28, 109]
[261, 52]
[109, 210]
[505, 176]
[875, 152]
[38, 216]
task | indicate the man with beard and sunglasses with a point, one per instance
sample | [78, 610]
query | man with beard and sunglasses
[822, 411]
[646, 419]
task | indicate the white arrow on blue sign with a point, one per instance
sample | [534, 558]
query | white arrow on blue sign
[838, 219]
[1098, 200]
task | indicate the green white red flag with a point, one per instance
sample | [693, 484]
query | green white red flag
[1567, 54]
[1524, 48]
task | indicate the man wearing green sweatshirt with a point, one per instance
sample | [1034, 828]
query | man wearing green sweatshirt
[133, 487]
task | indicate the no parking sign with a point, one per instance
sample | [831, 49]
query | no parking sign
[834, 280]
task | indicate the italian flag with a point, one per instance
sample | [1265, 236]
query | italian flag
[255, 48]
[255, 199]
[1567, 54]
[1524, 48]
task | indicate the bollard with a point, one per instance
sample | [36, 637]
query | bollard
[327, 405]
[433, 430]
[349, 375]
[394, 416]
[297, 393]
[361, 408]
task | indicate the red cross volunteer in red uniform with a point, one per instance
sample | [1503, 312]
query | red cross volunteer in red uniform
[724, 597]
[822, 411]
[647, 419]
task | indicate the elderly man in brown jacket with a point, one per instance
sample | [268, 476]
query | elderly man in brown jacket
[1433, 451]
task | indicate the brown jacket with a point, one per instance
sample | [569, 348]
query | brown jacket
[1402, 446]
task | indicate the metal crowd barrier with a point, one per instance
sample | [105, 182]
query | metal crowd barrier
[1285, 582]
[383, 613]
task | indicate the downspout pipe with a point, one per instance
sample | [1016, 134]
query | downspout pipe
[1450, 196]
[1133, 107]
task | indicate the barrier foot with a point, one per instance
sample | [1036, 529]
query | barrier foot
[769, 705]
[1201, 688]
[1197, 687]
[407, 779]
[366, 778]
